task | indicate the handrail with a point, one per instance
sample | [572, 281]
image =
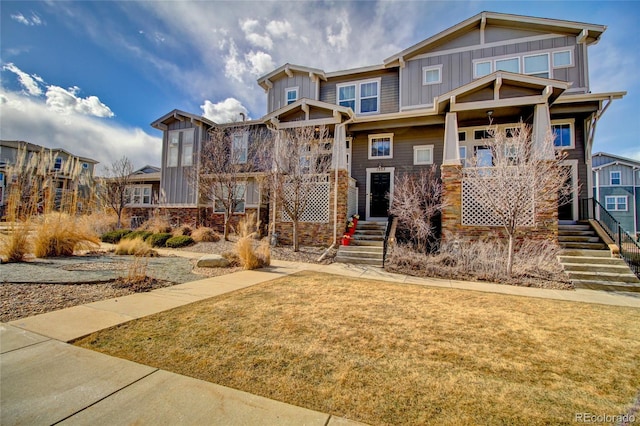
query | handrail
[386, 238]
[629, 248]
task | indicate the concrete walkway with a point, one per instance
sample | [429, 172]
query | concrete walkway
[44, 380]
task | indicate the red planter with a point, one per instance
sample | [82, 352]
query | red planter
[346, 239]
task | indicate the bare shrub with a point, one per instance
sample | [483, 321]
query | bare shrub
[157, 224]
[134, 247]
[136, 279]
[246, 253]
[204, 234]
[15, 246]
[251, 257]
[535, 263]
[183, 230]
[59, 234]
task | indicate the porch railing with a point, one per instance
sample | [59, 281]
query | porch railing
[386, 238]
[629, 248]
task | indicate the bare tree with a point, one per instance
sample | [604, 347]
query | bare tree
[302, 159]
[516, 180]
[417, 200]
[114, 192]
[226, 160]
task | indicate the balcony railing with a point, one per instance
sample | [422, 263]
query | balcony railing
[629, 248]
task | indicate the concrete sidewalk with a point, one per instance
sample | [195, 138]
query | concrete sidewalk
[44, 380]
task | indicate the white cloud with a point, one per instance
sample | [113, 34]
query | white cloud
[340, 40]
[66, 101]
[279, 28]
[33, 20]
[261, 63]
[28, 82]
[250, 27]
[29, 119]
[233, 66]
[226, 111]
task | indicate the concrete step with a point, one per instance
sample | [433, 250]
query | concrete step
[602, 267]
[583, 245]
[367, 237]
[619, 277]
[357, 242]
[369, 249]
[579, 227]
[576, 233]
[586, 253]
[359, 254]
[358, 260]
[592, 261]
[605, 285]
[578, 239]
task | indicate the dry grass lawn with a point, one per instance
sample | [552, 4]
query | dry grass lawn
[385, 353]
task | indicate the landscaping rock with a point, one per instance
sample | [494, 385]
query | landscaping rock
[212, 261]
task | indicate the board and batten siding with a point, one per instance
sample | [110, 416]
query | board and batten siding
[457, 68]
[626, 174]
[175, 180]
[389, 89]
[404, 139]
[277, 97]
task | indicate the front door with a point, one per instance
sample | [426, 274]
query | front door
[568, 207]
[379, 188]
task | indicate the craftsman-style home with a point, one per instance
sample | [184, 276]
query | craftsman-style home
[428, 104]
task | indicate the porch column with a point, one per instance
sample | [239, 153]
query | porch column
[339, 158]
[451, 151]
[541, 128]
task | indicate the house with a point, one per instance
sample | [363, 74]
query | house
[428, 104]
[616, 186]
[143, 193]
[64, 171]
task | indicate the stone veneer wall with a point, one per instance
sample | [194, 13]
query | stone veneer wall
[314, 233]
[546, 224]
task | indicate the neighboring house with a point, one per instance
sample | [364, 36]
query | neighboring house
[68, 172]
[144, 193]
[428, 104]
[616, 185]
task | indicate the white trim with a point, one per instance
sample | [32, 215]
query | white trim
[425, 70]
[286, 94]
[572, 130]
[507, 58]
[475, 63]
[520, 56]
[553, 60]
[370, 170]
[358, 84]
[416, 149]
[142, 187]
[534, 54]
[611, 172]
[615, 203]
[574, 186]
[380, 136]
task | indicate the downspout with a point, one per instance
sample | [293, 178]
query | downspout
[335, 202]
[635, 204]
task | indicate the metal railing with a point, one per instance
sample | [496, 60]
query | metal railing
[629, 247]
[386, 238]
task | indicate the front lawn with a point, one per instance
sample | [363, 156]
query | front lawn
[385, 353]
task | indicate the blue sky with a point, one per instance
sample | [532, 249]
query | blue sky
[90, 76]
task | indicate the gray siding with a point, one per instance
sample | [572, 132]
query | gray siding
[457, 68]
[389, 83]
[175, 181]
[276, 97]
[626, 174]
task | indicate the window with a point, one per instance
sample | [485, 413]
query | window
[172, 153]
[511, 65]
[362, 97]
[85, 166]
[616, 203]
[482, 134]
[562, 59]
[240, 148]
[616, 178]
[563, 133]
[484, 156]
[239, 197]
[432, 75]
[423, 154]
[187, 149]
[380, 146]
[291, 94]
[480, 69]
[537, 65]
[462, 136]
[139, 194]
[57, 165]
[462, 152]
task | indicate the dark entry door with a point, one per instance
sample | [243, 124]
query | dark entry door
[565, 203]
[379, 195]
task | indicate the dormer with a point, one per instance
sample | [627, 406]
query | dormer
[288, 83]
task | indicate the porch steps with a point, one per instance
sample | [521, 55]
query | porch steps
[589, 267]
[366, 246]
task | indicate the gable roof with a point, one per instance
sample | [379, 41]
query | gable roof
[176, 114]
[32, 147]
[589, 32]
[303, 105]
[616, 159]
[288, 69]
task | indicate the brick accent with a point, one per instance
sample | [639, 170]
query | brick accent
[546, 223]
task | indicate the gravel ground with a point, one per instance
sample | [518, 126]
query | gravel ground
[44, 285]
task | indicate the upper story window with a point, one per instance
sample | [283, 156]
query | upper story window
[240, 147]
[187, 149]
[380, 146]
[562, 59]
[57, 165]
[508, 64]
[537, 65]
[172, 152]
[615, 178]
[432, 75]
[482, 68]
[291, 94]
[85, 166]
[363, 97]
[563, 133]
[616, 203]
